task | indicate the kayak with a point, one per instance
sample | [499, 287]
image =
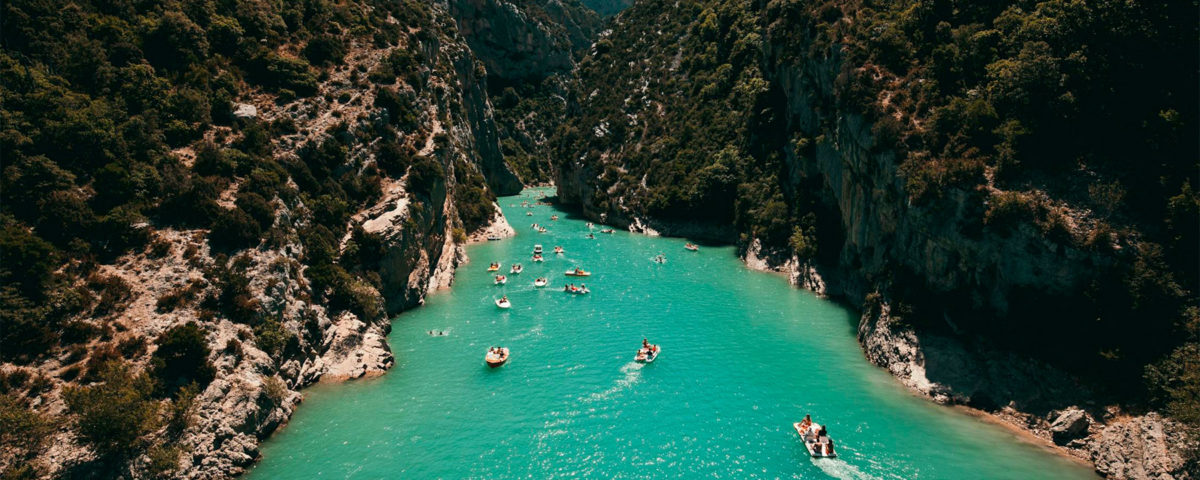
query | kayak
[578, 273]
[502, 303]
[647, 355]
[494, 359]
[493, 238]
[541, 282]
[809, 437]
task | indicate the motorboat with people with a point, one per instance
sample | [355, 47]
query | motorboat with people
[516, 269]
[496, 356]
[542, 230]
[541, 282]
[501, 279]
[493, 238]
[537, 249]
[647, 353]
[580, 290]
[578, 272]
[607, 230]
[494, 267]
[691, 246]
[816, 438]
[503, 302]
[558, 250]
[537, 257]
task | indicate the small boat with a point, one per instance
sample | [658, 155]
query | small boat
[692, 247]
[558, 250]
[494, 267]
[660, 258]
[537, 249]
[516, 269]
[541, 282]
[607, 230]
[591, 236]
[553, 217]
[535, 226]
[578, 272]
[503, 302]
[647, 355]
[542, 230]
[589, 225]
[818, 446]
[501, 279]
[580, 290]
[496, 356]
[528, 214]
[537, 257]
[493, 238]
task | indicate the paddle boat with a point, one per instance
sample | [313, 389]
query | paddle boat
[540, 282]
[558, 250]
[496, 356]
[501, 279]
[553, 217]
[580, 290]
[516, 269]
[503, 302]
[607, 230]
[692, 247]
[660, 258]
[528, 214]
[647, 353]
[535, 226]
[578, 272]
[542, 230]
[537, 257]
[537, 249]
[815, 438]
[494, 267]
[589, 225]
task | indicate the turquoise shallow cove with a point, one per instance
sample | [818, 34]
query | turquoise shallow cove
[744, 355]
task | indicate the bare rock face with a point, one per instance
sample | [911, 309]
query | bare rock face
[1145, 447]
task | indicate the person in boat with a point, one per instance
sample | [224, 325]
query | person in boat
[807, 422]
[828, 446]
[504, 298]
[645, 344]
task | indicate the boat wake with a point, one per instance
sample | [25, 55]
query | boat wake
[632, 371]
[838, 468]
[533, 332]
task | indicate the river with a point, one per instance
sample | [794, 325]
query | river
[743, 356]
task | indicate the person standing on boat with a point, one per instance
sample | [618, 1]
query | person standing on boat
[806, 423]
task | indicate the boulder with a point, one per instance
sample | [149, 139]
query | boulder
[1070, 424]
[244, 111]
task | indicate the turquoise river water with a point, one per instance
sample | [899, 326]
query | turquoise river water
[743, 356]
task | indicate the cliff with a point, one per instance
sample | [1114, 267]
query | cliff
[788, 123]
[371, 183]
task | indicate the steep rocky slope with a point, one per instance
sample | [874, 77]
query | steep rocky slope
[793, 130]
[408, 120]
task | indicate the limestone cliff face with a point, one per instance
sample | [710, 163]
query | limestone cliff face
[524, 40]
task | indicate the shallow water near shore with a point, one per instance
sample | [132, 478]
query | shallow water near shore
[744, 355]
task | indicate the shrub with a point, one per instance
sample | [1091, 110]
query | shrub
[234, 230]
[274, 390]
[113, 416]
[164, 460]
[22, 430]
[325, 50]
[181, 359]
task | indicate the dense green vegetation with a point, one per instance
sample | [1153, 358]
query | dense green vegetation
[1073, 120]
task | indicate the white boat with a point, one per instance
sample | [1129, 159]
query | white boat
[577, 290]
[647, 355]
[493, 238]
[537, 249]
[496, 356]
[541, 282]
[558, 250]
[503, 303]
[607, 230]
[537, 257]
[553, 217]
[501, 279]
[818, 447]
[542, 230]
[528, 214]
[692, 247]
[578, 272]
[589, 225]
[493, 267]
[516, 269]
